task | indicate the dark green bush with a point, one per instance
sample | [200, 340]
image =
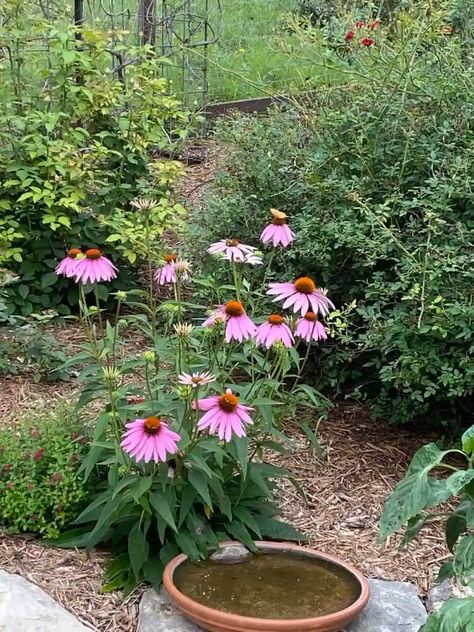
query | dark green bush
[40, 488]
[377, 178]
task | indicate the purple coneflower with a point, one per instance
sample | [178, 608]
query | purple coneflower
[196, 379]
[302, 295]
[231, 249]
[223, 415]
[94, 268]
[167, 274]
[149, 439]
[67, 266]
[215, 317]
[278, 232]
[272, 330]
[239, 325]
[309, 328]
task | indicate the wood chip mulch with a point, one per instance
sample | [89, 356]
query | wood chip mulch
[345, 492]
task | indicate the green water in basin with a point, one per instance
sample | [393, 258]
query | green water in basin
[269, 586]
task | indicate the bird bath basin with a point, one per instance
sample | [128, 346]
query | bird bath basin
[283, 588]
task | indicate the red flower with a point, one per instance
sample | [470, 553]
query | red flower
[367, 41]
[9, 485]
[135, 399]
[38, 455]
[349, 35]
[374, 25]
[7, 467]
[359, 24]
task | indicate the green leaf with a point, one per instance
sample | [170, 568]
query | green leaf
[92, 511]
[200, 483]
[468, 440]
[415, 492]
[187, 500]
[153, 571]
[455, 526]
[455, 615]
[137, 550]
[143, 484]
[187, 545]
[241, 446]
[463, 562]
[161, 506]
[277, 530]
[247, 518]
[48, 279]
[237, 530]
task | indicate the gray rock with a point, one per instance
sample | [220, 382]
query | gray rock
[25, 607]
[449, 589]
[233, 554]
[392, 607]
[157, 614]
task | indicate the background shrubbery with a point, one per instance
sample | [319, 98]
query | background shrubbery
[75, 145]
[377, 176]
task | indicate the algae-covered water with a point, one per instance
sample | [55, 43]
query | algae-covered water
[269, 586]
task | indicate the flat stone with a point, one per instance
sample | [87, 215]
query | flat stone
[157, 614]
[233, 554]
[392, 607]
[25, 607]
[449, 589]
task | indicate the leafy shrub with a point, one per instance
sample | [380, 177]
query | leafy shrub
[75, 148]
[409, 506]
[40, 488]
[376, 176]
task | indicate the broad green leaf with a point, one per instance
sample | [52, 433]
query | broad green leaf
[455, 615]
[130, 479]
[277, 530]
[463, 562]
[187, 499]
[167, 552]
[153, 571]
[137, 550]
[200, 483]
[245, 516]
[162, 508]
[455, 526]
[187, 545]
[241, 446]
[237, 530]
[468, 440]
[415, 492]
[92, 511]
[143, 484]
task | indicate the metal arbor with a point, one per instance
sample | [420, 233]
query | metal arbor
[180, 31]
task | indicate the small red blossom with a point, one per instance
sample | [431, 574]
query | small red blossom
[9, 485]
[38, 455]
[7, 467]
[359, 24]
[135, 399]
[75, 435]
[374, 25]
[34, 433]
[349, 36]
[367, 41]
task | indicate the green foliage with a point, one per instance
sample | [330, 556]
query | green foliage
[40, 488]
[74, 150]
[408, 506]
[376, 176]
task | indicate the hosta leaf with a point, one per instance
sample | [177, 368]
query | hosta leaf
[463, 563]
[415, 492]
[455, 615]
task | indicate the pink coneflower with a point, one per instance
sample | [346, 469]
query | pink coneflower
[167, 274]
[94, 268]
[239, 326]
[253, 259]
[309, 328]
[67, 266]
[278, 232]
[215, 317]
[274, 329]
[231, 249]
[149, 439]
[223, 415]
[196, 379]
[302, 295]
